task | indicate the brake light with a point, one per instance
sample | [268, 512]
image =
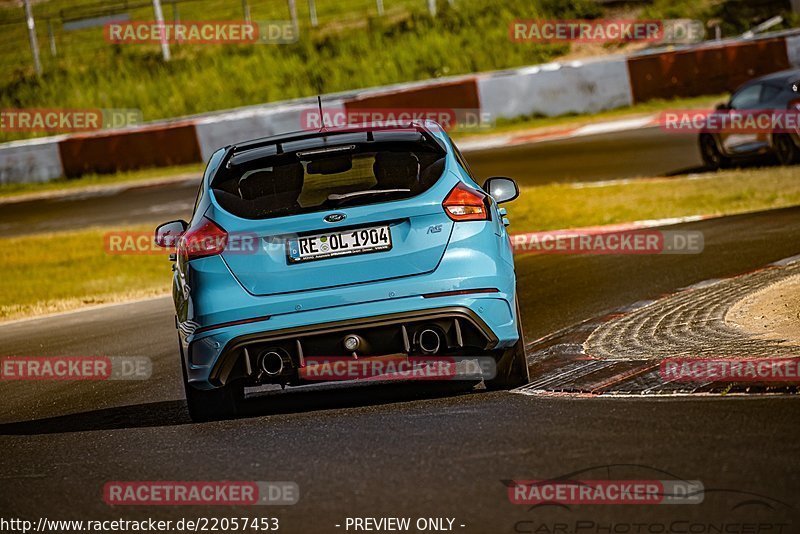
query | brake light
[466, 204]
[204, 240]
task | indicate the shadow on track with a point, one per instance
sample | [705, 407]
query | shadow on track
[751, 163]
[689, 170]
[172, 413]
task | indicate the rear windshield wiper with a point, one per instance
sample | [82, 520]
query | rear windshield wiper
[369, 192]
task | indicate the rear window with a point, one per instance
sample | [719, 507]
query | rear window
[326, 178]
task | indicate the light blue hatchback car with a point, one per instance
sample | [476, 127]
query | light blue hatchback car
[356, 243]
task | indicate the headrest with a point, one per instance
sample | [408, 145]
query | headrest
[278, 180]
[396, 170]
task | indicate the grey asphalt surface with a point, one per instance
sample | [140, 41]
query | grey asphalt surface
[647, 152]
[117, 207]
[625, 154]
[415, 450]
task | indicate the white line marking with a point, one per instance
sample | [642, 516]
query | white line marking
[81, 310]
[615, 126]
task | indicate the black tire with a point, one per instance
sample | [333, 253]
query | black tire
[212, 404]
[785, 149]
[512, 367]
[712, 157]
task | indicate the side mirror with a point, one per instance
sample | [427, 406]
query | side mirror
[501, 189]
[167, 234]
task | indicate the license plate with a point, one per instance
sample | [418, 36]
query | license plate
[337, 244]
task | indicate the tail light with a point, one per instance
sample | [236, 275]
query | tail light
[794, 104]
[204, 240]
[466, 204]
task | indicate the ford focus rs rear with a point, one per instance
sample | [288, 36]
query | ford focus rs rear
[351, 245]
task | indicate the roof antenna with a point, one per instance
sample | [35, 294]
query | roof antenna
[323, 128]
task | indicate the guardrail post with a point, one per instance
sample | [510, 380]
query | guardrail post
[51, 36]
[37, 64]
[293, 14]
[160, 20]
[312, 11]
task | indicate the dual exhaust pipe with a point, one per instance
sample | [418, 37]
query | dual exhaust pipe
[274, 361]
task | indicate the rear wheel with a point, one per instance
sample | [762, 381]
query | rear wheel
[712, 157]
[211, 404]
[785, 149]
[512, 368]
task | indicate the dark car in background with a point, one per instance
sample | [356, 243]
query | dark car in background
[777, 92]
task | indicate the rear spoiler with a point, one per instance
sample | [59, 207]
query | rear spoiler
[271, 146]
[369, 131]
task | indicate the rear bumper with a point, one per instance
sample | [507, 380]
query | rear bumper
[221, 313]
[214, 357]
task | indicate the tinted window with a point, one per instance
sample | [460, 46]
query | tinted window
[747, 98]
[769, 93]
[314, 180]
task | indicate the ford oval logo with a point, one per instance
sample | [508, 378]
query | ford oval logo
[335, 217]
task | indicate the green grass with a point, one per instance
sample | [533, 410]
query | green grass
[61, 271]
[55, 272]
[557, 206]
[733, 16]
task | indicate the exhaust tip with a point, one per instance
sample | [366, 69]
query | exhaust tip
[429, 341]
[271, 362]
[352, 343]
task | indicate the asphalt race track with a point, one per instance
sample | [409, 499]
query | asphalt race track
[626, 154]
[411, 450]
